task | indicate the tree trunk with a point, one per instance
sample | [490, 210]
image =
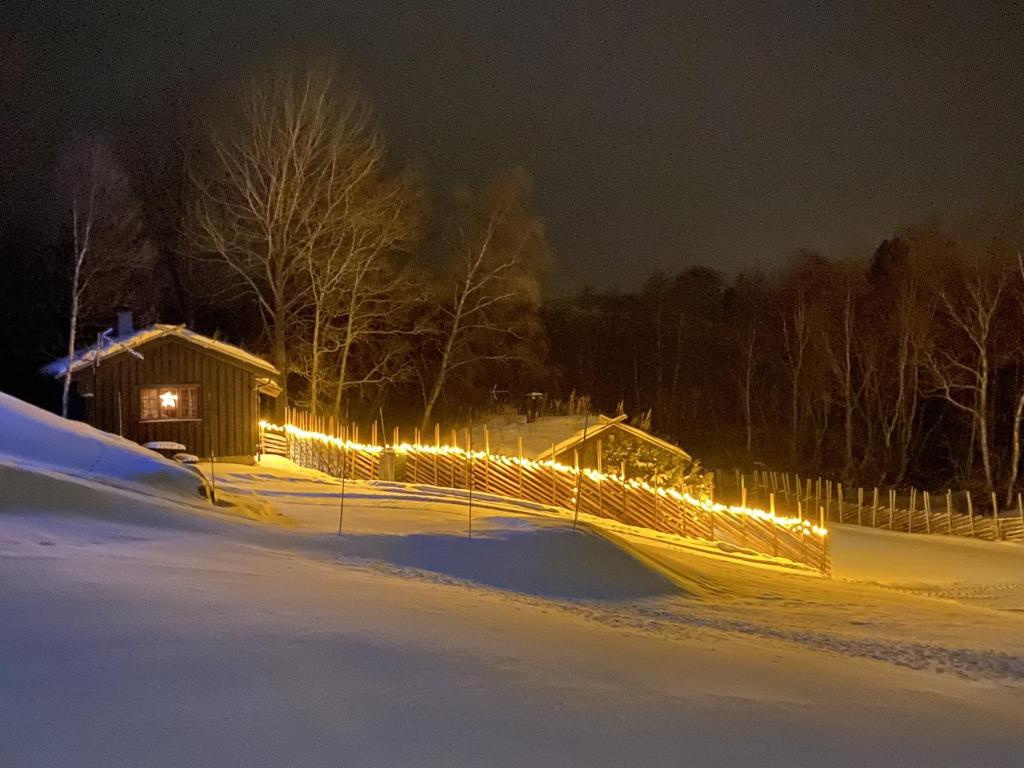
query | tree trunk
[1011, 481]
[72, 331]
[983, 426]
[314, 365]
[346, 349]
[435, 391]
[279, 354]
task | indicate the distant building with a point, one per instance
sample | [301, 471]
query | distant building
[608, 443]
[167, 383]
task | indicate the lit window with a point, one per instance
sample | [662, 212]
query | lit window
[170, 403]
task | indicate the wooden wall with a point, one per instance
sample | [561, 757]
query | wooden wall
[229, 411]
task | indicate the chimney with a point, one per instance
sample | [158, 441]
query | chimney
[124, 324]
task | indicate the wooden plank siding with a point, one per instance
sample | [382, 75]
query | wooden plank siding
[229, 405]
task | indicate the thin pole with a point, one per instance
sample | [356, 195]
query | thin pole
[469, 474]
[213, 474]
[213, 481]
[344, 474]
[579, 473]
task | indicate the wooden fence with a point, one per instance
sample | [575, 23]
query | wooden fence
[629, 501]
[908, 511]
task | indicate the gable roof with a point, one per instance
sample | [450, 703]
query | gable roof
[83, 358]
[603, 425]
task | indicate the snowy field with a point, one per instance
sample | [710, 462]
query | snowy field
[144, 627]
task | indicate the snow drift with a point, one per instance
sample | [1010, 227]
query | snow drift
[37, 441]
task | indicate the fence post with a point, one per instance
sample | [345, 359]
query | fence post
[711, 525]
[1020, 510]
[622, 470]
[437, 453]
[949, 511]
[682, 506]
[970, 512]
[554, 478]
[892, 505]
[519, 473]
[910, 510]
[775, 526]
[874, 509]
[860, 505]
[927, 513]
[995, 515]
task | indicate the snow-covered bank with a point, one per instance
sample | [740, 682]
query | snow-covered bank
[195, 650]
[31, 438]
[142, 629]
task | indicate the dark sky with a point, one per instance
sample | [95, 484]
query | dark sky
[658, 137]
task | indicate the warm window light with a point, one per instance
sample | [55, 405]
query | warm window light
[168, 400]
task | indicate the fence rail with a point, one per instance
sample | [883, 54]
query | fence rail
[626, 500]
[910, 511]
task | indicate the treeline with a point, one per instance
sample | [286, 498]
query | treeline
[906, 367]
[283, 223]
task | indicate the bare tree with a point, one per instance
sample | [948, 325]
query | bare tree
[359, 293]
[491, 295]
[962, 367]
[279, 190]
[104, 229]
[1017, 356]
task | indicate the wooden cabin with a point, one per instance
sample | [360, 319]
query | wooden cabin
[606, 444]
[167, 383]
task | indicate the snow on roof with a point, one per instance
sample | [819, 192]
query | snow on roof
[86, 357]
[603, 424]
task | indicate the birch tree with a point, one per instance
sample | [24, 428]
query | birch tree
[278, 190]
[963, 365]
[104, 229]
[487, 305]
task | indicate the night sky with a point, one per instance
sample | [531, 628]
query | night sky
[658, 137]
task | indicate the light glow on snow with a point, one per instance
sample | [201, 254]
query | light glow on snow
[684, 497]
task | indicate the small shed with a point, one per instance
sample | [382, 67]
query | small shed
[608, 443]
[167, 383]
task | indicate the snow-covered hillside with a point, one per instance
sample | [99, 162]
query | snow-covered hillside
[35, 440]
[142, 629]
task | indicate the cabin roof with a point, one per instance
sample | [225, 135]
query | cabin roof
[603, 424]
[87, 356]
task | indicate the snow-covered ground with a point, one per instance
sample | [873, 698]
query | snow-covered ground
[142, 627]
[538, 436]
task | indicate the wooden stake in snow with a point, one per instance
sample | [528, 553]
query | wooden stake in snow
[579, 473]
[469, 475]
[519, 471]
[344, 472]
[970, 511]
[995, 515]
